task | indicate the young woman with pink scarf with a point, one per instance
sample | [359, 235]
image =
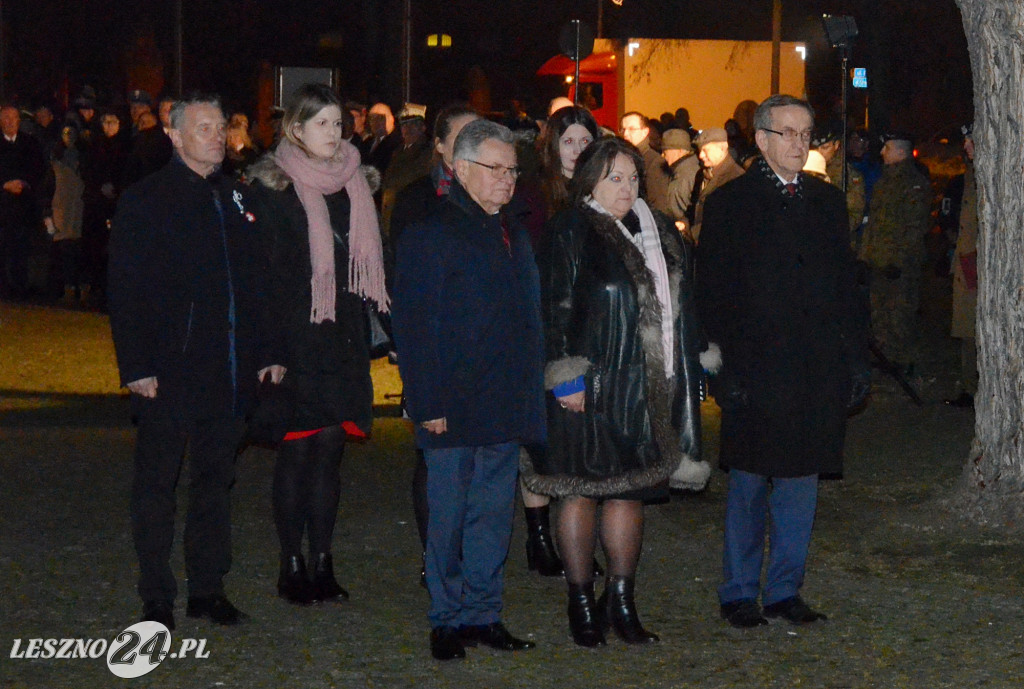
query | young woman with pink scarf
[320, 227]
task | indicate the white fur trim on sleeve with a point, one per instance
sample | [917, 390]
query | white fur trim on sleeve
[711, 358]
[563, 370]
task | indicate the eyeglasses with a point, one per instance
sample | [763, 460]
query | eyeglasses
[791, 135]
[499, 171]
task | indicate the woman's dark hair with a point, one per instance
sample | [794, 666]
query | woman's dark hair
[594, 163]
[443, 123]
[306, 102]
[555, 186]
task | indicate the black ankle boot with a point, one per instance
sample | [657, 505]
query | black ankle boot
[293, 584]
[583, 616]
[620, 610]
[541, 555]
[325, 586]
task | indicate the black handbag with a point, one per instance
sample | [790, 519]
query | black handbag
[378, 330]
[272, 414]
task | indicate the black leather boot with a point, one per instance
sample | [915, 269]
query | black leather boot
[620, 610]
[583, 616]
[293, 584]
[541, 555]
[325, 586]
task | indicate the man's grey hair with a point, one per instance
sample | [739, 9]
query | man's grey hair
[763, 114]
[467, 143]
[177, 114]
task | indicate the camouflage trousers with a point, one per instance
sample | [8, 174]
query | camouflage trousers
[894, 305]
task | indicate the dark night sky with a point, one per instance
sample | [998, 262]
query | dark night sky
[915, 50]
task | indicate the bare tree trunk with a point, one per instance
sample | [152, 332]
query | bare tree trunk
[992, 487]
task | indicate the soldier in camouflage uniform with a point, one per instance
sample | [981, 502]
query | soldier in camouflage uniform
[828, 144]
[893, 247]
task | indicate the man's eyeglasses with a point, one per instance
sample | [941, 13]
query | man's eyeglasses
[499, 171]
[791, 135]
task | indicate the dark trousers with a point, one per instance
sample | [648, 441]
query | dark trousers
[159, 451]
[471, 491]
[15, 248]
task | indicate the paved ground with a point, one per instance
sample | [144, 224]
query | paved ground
[916, 599]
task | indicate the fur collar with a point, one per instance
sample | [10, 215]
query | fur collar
[660, 391]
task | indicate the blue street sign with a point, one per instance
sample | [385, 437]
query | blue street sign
[860, 77]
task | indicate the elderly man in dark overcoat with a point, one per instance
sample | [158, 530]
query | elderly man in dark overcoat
[466, 318]
[191, 334]
[776, 291]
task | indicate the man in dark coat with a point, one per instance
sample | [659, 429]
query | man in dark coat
[466, 318]
[683, 167]
[23, 171]
[776, 291]
[719, 168]
[636, 130]
[187, 316]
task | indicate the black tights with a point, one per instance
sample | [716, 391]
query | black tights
[307, 488]
[622, 535]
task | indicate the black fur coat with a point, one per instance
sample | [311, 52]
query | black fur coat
[603, 321]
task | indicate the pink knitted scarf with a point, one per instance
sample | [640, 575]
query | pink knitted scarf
[313, 179]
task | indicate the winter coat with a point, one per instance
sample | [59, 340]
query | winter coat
[776, 291]
[656, 177]
[466, 318]
[405, 167]
[23, 159]
[68, 205]
[680, 187]
[965, 290]
[328, 363]
[724, 172]
[181, 247]
[603, 321]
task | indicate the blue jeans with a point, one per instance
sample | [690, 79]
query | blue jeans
[471, 494]
[790, 505]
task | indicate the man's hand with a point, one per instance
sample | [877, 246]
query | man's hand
[146, 387]
[14, 186]
[276, 372]
[436, 426]
[573, 402]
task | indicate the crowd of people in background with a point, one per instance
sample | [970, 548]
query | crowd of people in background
[560, 293]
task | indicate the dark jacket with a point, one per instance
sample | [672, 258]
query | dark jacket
[656, 177]
[776, 291]
[723, 173]
[467, 327]
[603, 321]
[684, 174]
[150, 151]
[412, 204]
[328, 363]
[171, 266]
[23, 160]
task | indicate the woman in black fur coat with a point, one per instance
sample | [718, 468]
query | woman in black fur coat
[623, 375]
